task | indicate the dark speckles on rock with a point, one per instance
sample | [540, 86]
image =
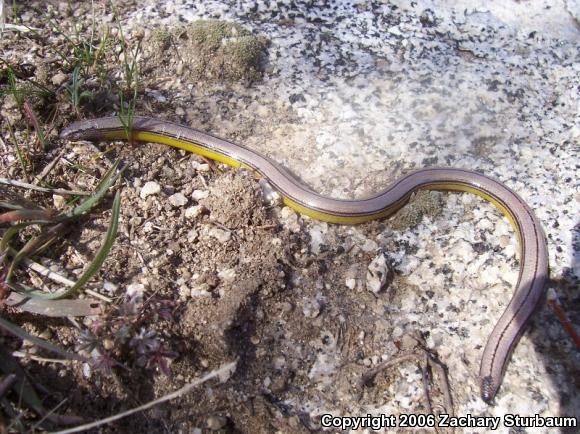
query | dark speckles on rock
[430, 161]
[480, 247]
[446, 270]
[452, 308]
[492, 85]
[427, 18]
[295, 97]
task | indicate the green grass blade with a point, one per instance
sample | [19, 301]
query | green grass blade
[36, 244]
[10, 233]
[13, 329]
[9, 365]
[95, 266]
[107, 181]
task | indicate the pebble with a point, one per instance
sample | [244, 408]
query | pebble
[108, 344]
[192, 235]
[110, 287]
[177, 200]
[58, 78]
[184, 292]
[219, 234]
[195, 211]
[270, 196]
[379, 273]
[58, 201]
[311, 308]
[203, 290]
[46, 334]
[86, 370]
[350, 283]
[317, 232]
[200, 167]
[150, 188]
[228, 275]
[216, 423]
[197, 195]
[135, 289]
[289, 219]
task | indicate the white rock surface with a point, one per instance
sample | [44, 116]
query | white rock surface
[379, 273]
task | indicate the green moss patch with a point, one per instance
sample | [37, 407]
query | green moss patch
[422, 203]
[207, 51]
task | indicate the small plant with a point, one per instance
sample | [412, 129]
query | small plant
[52, 228]
[76, 96]
[29, 89]
[22, 96]
[21, 215]
[127, 331]
[86, 54]
[23, 156]
[33, 119]
[131, 79]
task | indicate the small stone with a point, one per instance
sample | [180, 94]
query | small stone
[350, 283]
[46, 334]
[289, 219]
[379, 273]
[279, 385]
[149, 189]
[192, 236]
[177, 200]
[203, 290]
[200, 167]
[317, 233]
[58, 78]
[110, 287]
[195, 211]
[184, 292]
[86, 370]
[279, 363]
[219, 234]
[227, 275]
[216, 422]
[58, 201]
[270, 196]
[136, 221]
[197, 195]
[504, 241]
[311, 308]
[135, 289]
